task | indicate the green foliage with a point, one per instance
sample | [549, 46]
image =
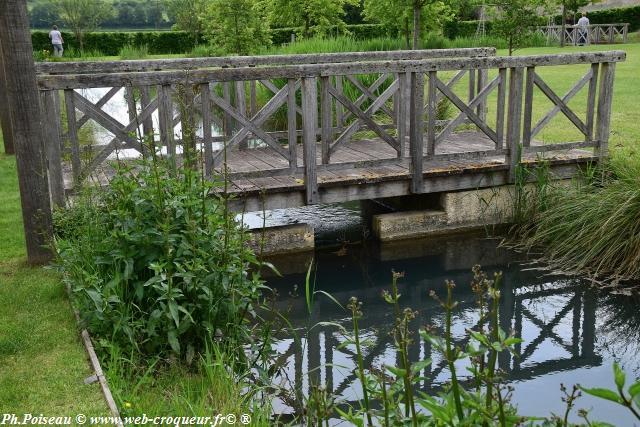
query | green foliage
[187, 15]
[280, 36]
[630, 399]
[397, 16]
[513, 21]
[156, 265]
[314, 17]
[240, 27]
[82, 16]
[110, 42]
[454, 29]
[134, 52]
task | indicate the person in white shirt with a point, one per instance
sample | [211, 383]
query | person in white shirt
[583, 29]
[56, 41]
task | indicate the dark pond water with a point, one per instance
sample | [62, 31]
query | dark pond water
[572, 333]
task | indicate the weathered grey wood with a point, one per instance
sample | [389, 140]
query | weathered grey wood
[72, 134]
[51, 122]
[452, 82]
[372, 109]
[364, 116]
[227, 128]
[252, 61]
[147, 124]
[514, 120]
[482, 81]
[476, 101]
[560, 103]
[528, 107]
[591, 100]
[500, 109]
[339, 109]
[472, 85]
[558, 147]
[309, 120]
[326, 117]
[253, 101]
[107, 149]
[165, 119]
[417, 124]
[106, 121]
[249, 125]
[605, 98]
[432, 108]
[367, 93]
[297, 71]
[292, 125]
[101, 102]
[468, 111]
[241, 107]
[22, 95]
[205, 110]
[556, 109]
[129, 97]
[5, 113]
[403, 96]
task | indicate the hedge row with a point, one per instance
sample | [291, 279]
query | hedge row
[164, 42]
[455, 29]
[630, 15]
[110, 43]
[359, 31]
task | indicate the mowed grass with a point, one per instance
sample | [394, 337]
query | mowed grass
[42, 360]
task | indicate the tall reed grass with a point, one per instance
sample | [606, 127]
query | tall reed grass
[592, 226]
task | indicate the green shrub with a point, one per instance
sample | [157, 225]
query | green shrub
[280, 36]
[157, 266]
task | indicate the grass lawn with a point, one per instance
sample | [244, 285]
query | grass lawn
[42, 360]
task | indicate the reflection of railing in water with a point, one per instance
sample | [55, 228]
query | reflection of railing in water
[516, 313]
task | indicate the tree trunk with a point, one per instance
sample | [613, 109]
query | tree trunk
[416, 26]
[24, 99]
[406, 32]
[5, 113]
[564, 24]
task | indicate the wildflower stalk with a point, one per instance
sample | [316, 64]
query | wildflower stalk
[455, 387]
[354, 305]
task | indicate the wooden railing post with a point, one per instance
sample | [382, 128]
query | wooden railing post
[326, 117]
[432, 111]
[528, 107]
[591, 101]
[26, 119]
[403, 96]
[72, 134]
[416, 142]
[500, 110]
[241, 106]
[51, 127]
[147, 123]
[205, 99]
[165, 120]
[514, 120]
[482, 81]
[603, 120]
[309, 136]
[292, 125]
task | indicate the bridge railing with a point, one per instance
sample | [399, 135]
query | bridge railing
[326, 106]
[152, 111]
[595, 34]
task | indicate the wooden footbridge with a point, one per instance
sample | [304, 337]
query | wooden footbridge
[592, 34]
[304, 129]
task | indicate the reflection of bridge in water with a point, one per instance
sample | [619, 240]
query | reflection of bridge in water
[555, 318]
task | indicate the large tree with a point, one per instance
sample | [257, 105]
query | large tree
[187, 15]
[236, 26]
[315, 17]
[409, 17]
[83, 16]
[513, 20]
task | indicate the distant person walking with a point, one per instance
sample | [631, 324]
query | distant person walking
[583, 29]
[56, 41]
